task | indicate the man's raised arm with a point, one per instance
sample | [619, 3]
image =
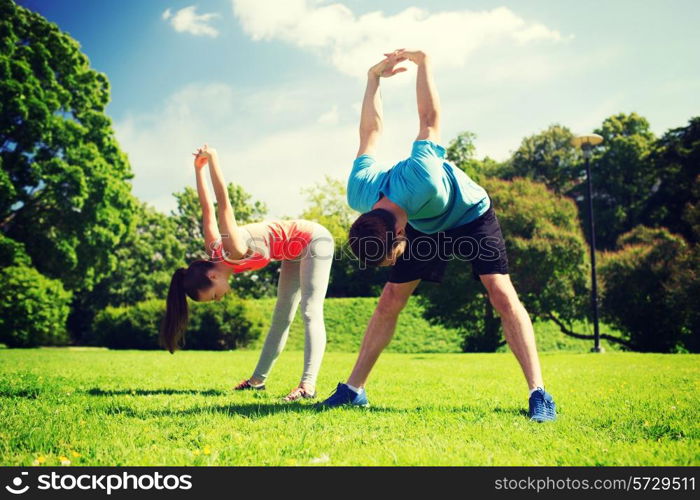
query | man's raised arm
[371, 117]
[427, 96]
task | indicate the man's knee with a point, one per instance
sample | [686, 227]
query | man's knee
[392, 301]
[503, 297]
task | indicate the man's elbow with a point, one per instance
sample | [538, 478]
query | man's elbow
[429, 118]
[375, 129]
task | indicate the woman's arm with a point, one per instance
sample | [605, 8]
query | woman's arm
[209, 227]
[235, 247]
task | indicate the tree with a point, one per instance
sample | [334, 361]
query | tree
[675, 203]
[188, 216]
[188, 222]
[547, 258]
[547, 157]
[147, 257]
[462, 153]
[33, 308]
[650, 288]
[64, 193]
[623, 177]
[328, 206]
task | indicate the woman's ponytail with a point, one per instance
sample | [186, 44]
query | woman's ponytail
[174, 323]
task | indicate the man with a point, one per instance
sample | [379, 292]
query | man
[425, 199]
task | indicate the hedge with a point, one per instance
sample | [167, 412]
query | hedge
[216, 325]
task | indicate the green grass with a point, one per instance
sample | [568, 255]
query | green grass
[347, 318]
[99, 407]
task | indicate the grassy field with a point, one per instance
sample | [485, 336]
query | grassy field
[99, 407]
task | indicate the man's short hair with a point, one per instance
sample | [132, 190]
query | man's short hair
[373, 236]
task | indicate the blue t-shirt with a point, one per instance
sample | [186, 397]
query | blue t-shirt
[436, 195]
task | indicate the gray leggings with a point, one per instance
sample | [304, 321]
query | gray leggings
[304, 280]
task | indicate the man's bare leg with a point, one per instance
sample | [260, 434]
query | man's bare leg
[380, 329]
[517, 326]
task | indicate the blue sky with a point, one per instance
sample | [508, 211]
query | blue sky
[276, 85]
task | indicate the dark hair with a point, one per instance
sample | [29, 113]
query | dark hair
[188, 281]
[372, 236]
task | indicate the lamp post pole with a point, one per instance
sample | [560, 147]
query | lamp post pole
[586, 143]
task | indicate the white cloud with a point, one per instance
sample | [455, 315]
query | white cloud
[351, 42]
[330, 117]
[187, 20]
[159, 143]
[272, 151]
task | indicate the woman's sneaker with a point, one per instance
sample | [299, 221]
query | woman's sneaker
[299, 393]
[246, 385]
[542, 407]
[344, 396]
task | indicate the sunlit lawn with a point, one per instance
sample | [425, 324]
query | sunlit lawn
[99, 407]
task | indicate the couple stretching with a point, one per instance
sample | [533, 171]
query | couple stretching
[412, 202]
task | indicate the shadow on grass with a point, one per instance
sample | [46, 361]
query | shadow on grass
[250, 410]
[261, 410]
[519, 412]
[152, 392]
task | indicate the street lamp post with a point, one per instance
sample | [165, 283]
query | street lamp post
[586, 143]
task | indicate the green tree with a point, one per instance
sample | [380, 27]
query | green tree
[675, 203]
[33, 308]
[547, 157]
[188, 216]
[188, 221]
[327, 205]
[547, 258]
[623, 177]
[462, 153]
[64, 193]
[147, 258]
[650, 285]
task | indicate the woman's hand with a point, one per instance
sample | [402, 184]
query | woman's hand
[203, 155]
[385, 68]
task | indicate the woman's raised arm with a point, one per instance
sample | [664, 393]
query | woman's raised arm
[234, 246]
[209, 227]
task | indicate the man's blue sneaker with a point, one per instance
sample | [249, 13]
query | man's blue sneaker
[344, 396]
[542, 407]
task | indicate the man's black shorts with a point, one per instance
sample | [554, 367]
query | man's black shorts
[427, 255]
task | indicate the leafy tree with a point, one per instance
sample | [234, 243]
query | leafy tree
[547, 157]
[650, 290]
[623, 177]
[675, 203]
[147, 257]
[188, 216]
[13, 253]
[63, 185]
[33, 308]
[548, 265]
[328, 206]
[188, 221]
[461, 152]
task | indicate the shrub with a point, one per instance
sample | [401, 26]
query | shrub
[650, 288]
[217, 325]
[33, 308]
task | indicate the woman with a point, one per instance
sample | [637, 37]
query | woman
[306, 251]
